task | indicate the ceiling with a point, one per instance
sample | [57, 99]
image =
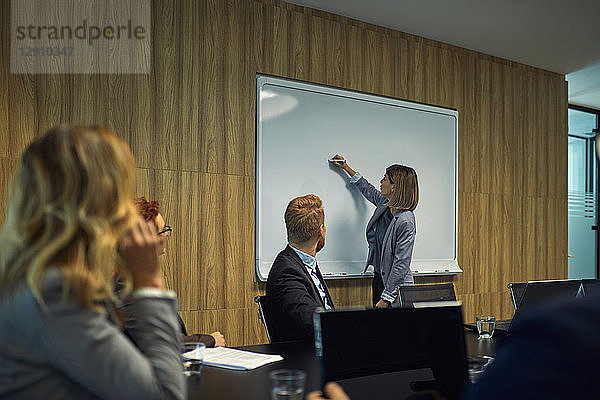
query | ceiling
[555, 35]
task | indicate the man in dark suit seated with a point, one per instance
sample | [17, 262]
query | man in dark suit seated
[295, 286]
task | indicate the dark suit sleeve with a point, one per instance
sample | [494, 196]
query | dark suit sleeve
[293, 297]
[208, 340]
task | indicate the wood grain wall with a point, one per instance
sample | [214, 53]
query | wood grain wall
[190, 124]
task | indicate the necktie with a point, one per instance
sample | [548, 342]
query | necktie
[320, 288]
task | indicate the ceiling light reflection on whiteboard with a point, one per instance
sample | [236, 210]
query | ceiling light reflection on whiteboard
[273, 105]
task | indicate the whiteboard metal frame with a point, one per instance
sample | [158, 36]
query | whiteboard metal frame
[428, 267]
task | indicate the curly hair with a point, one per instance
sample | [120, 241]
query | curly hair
[147, 209]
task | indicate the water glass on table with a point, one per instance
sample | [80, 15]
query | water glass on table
[485, 326]
[193, 355]
[287, 384]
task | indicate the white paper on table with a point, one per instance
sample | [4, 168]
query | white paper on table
[237, 359]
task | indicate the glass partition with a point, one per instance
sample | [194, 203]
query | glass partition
[582, 194]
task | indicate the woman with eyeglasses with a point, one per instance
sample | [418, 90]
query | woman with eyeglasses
[391, 230]
[71, 223]
[149, 210]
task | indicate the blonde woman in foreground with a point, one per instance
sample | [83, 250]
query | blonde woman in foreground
[71, 223]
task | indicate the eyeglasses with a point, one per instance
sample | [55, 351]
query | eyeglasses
[167, 230]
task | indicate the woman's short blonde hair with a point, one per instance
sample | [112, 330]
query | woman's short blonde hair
[405, 194]
[69, 203]
[304, 216]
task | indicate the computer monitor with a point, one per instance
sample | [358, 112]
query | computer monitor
[354, 343]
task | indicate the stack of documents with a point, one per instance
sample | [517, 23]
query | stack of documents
[224, 357]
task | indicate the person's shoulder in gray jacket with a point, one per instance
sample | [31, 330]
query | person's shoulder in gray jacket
[62, 350]
[70, 218]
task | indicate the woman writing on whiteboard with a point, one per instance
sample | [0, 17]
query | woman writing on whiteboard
[391, 230]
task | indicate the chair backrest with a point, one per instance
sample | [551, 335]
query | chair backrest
[591, 286]
[426, 293]
[517, 289]
[263, 314]
[356, 343]
[541, 292]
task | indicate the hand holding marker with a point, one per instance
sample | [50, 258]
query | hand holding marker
[337, 160]
[340, 161]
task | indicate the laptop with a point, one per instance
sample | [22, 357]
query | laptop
[528, 295]
[374, 342]
[591, 286]
[517, 290]
[540, 292]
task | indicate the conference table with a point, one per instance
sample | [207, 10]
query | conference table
[223, 384]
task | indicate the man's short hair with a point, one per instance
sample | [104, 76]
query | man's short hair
[304, 216]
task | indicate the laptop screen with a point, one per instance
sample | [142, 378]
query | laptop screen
[540, 292]
[353, 343]
[591, 286]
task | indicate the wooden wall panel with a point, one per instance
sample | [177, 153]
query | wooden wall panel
[22, 113]
[337, 69]
[416, 70]
[226, 321]
[7, 166]
[354, 43]
[190, 123]
[4, 74]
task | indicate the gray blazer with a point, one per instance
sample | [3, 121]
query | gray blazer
[65, 351]
[397, 253]
[378, 200]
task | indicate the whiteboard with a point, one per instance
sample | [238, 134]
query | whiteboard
[300, 125]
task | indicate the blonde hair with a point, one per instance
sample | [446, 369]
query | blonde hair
[303, 217]
[69, 203]
[405, 194]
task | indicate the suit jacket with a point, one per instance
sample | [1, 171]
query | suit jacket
[396, 254]
[378, 200]
[292, 298]
[549, 353]
[208, 340]
[62, 350]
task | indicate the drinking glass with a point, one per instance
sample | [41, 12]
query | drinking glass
[192, 354]
[478, 364]
[287, 384]
[485, 326]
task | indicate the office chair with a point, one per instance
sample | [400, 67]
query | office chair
[517, 289]
[591, 286]
[426, 293]
[261, 301]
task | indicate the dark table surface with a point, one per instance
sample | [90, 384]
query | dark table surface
[223, 384]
